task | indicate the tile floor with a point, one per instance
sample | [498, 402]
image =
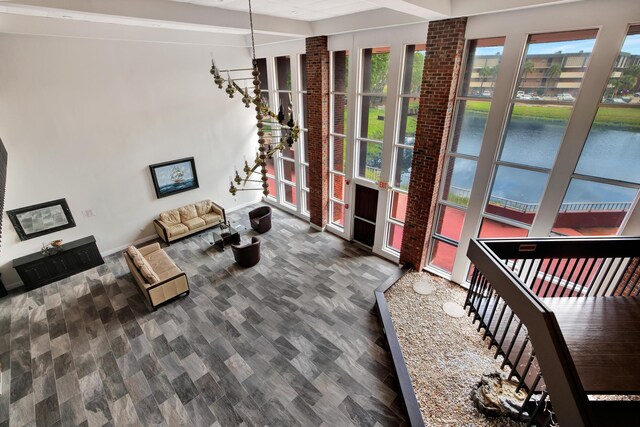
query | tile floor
[291, 341]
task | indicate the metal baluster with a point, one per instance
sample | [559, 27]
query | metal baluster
[551, 281]
[569, 278]
[487, 330]
[531, 391]
[545, 276]
[540, 404]
[495, 333]
[526, 279]
[484, 313]
[520, 353]
[472, 286]
[606, 292]
[564, 270]
[604, 260]
[513, 341]
[603, 276]
[526, 370]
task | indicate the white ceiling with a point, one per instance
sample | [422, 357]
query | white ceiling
[304, 10]
[274, 20]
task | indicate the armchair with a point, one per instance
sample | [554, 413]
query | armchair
[247, 255]
[260, 219]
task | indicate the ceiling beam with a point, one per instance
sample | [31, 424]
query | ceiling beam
[426, 9]
[475, 7]
[169, 11]
[369, 20]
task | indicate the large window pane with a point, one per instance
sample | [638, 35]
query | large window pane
[369, 160]
[273, 190]
[339, 122]
[443, 255]
[408, 120]
[338, 153]
[394, 236]
[469, 127]
[289, 194]
[262, 69]
[399, 203]
[593, 208]
[494, 229]
[341, 71]
[283, 72]
[285, 103]
[450, 222]
[534, 134]
[375, 70]
[372, 117]
[516, 194]
[402, 168]
[458, 181]
[337, 187]
[612, 149]
[554, 65]
[623, 84]
[413, 66]
[483, 63]
[337, 214]
[271, 167]
[289, 171]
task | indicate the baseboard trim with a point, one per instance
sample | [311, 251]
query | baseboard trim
[316, 227]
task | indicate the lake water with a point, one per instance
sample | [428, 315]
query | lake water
[609, 152]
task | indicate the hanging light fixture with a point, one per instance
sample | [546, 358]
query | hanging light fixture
[285, 132]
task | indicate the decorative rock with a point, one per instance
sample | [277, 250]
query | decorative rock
[496, 396]
[423, 287]
[453, 309]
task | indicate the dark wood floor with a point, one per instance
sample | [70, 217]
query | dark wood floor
[291, 341]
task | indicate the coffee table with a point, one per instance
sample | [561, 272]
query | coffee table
[225, 237]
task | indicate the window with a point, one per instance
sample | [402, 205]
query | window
[371, 101]
[268, 128]
[409, 101]
[337, 136]
[550, 77]
[606, 179]
[472, 108]
[302, 142]
[286, 158]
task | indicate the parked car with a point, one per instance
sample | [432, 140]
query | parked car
[565, 97]
[486, 93]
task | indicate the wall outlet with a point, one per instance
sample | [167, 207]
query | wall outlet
[88, 213]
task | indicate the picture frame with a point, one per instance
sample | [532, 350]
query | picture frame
[43, 218]
[175, 176]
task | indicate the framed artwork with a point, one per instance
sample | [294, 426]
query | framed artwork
[174, 177]
[44, 218]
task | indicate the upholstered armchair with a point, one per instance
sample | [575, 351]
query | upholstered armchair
[260, 219]
[247, 255]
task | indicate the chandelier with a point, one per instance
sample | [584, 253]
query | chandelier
[282, 132]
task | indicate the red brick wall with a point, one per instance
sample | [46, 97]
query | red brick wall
[445, 45]
[318, 125]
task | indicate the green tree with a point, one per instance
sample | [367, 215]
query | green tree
[484, 73]
[625, 82]
[552, 73]
[416, 72]
[379, 72]
[527, 69]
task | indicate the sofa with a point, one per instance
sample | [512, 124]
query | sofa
[157, 276]
[187, 220]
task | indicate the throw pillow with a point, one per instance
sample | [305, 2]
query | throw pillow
[187, 212]
[135, 255]
[149, 274]
[203, 207]
[171, 217]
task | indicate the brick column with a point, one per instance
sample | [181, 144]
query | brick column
[445, 45]
[318, 125]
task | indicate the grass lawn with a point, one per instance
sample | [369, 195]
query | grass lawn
[607, 116]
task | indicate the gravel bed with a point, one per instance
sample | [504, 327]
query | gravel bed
[445, 356]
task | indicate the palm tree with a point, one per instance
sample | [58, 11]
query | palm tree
[484, 73]
[552, 73]
[526, 70]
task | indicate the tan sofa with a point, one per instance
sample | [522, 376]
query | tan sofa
[187, 220]
[157, 276]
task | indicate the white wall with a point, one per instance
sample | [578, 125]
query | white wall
[82, 119]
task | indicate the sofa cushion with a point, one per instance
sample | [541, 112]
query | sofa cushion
[160, 262]
[149, 275]
[211, 218]
[176, 230]
[187, 212]
[136, 256]
[194, 223]
[203, 207]
[171, 217]
[169, 273]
